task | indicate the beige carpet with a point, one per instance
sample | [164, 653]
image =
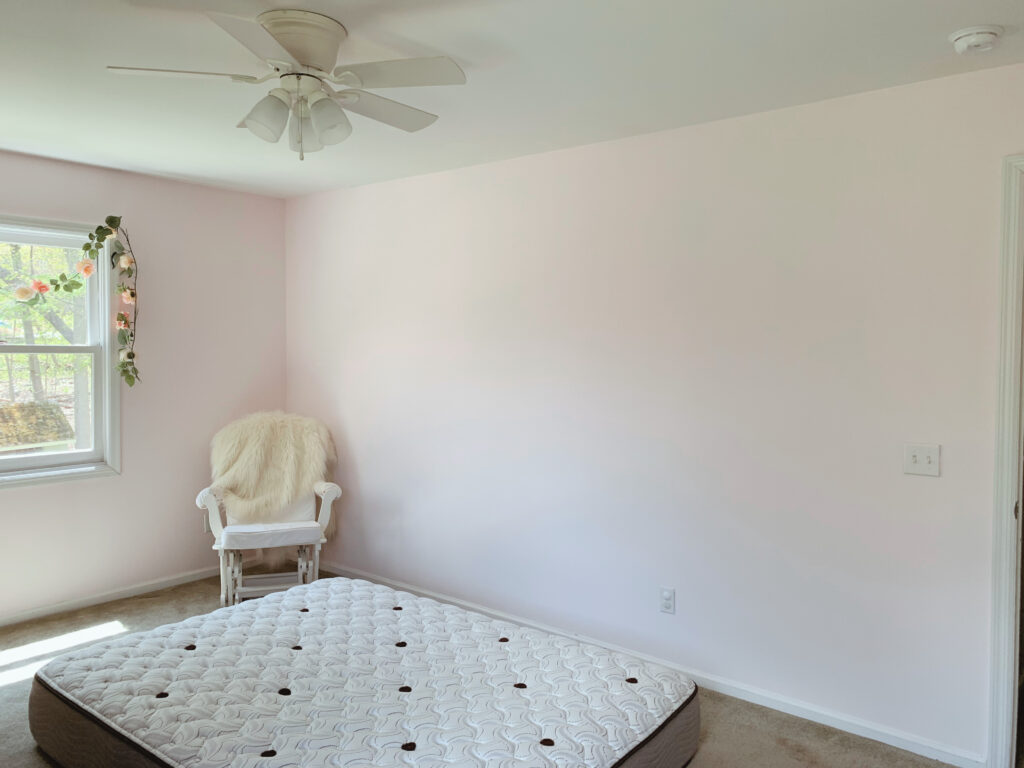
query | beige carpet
[734, 733]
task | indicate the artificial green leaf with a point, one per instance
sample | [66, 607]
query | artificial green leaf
[129, 380]
[112, 221]
[122, 337]
[118, 246]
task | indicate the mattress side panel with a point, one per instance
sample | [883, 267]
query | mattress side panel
[74, 738]
[673, 744]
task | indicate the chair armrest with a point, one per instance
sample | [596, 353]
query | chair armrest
[208, 498]
[323, 489]
[327, 492]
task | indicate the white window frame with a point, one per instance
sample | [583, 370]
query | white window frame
[105, 456]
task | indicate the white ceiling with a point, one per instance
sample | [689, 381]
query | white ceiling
[543, 74]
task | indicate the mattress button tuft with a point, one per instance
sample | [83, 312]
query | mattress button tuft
[285, 692]
[409, 746]
[631, 680]
[548, 742]
[401, 644]
[162, 695]
[303, 610]
[502, 639]
[268, 753]
[296, 647]
[397, 608]
[190, 647]
[405, 689]
[519, 685]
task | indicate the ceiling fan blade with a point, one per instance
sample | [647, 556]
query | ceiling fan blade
[182, 73]
[385, 110]
[435, 70]
[253, 36]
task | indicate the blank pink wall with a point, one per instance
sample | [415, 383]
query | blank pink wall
[688, 359]
[211, 345]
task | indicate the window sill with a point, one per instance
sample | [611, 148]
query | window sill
[56, 474]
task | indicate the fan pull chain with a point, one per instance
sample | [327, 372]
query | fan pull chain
[302, 101]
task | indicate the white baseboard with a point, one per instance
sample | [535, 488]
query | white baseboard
[105, 597]
[884, 734]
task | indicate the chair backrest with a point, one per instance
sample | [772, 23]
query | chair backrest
[300, 510]
[264, 467]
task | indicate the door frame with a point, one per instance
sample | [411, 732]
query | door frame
[1008, 476]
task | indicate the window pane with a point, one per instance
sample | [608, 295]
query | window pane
[45, 403]
[63, 319]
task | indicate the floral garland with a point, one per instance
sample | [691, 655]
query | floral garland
[122, 259]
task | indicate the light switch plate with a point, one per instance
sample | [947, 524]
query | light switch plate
[921, 459]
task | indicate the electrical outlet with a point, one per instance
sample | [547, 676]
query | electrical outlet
[921, 459]
[668, 599]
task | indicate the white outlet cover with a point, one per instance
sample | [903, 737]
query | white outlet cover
[668, 600]
[921, 459]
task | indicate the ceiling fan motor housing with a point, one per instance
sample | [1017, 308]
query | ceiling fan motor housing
[299, 84]
[312, 39]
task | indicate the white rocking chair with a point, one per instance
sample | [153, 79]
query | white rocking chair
[259, 463]
[298, 526]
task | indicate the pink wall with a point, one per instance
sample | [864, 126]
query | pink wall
[211, 344]
[689, 359]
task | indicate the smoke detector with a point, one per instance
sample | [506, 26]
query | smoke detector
[971, 40]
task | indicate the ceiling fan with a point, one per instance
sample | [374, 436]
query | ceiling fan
[301, 49]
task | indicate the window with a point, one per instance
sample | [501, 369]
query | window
[58, 386]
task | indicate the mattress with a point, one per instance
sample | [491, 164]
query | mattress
[343, 672]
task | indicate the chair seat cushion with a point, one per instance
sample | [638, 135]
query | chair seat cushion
[259, 535]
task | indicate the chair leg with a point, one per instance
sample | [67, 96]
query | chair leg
[229, 576]
[300, 567]
[223, 577]
[316, 563]
[236, 576]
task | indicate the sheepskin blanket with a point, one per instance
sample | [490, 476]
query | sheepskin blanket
[266, 461]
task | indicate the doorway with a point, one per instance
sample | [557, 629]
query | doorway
[1007, 660]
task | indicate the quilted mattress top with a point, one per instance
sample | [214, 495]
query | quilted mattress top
[344, 672]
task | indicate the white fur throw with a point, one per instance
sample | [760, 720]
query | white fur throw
[264, 462]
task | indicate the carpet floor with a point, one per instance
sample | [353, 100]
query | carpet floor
[734, 733]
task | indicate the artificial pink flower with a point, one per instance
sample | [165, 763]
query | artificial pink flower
[23, 293]
[122, 323]
[128, 297]
[126, 261]
[85, 267]
[39, 286]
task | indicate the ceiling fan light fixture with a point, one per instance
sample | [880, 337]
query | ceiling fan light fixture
[300, 48]
[268, 118]
[328, 119]
[301, 136]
